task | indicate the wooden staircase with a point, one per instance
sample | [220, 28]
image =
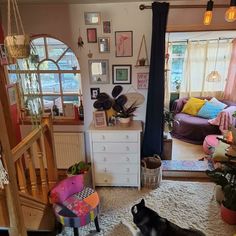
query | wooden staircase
[24, 204]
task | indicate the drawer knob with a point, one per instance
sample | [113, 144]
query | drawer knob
[127, 169]
[103, 137]
[127, 148]
[105, 170]
[103, 148]
[127, 159]
[127, 136]
[105, 180]
[104, 159]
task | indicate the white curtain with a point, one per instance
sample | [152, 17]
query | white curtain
[167, 76]
[200, 60]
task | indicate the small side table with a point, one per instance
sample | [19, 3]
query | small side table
[167, 147]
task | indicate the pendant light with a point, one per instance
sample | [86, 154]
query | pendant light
[208, 13]
[214, 76]
[230, 14]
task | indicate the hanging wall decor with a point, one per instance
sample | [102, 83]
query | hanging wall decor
[142, 60]
[17, 43]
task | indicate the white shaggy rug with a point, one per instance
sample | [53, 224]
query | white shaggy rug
[187, 204]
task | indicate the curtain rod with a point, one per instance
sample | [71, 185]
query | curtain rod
[142, 6]
[200, 40]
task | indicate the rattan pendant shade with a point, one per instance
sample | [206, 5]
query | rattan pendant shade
[214, 76]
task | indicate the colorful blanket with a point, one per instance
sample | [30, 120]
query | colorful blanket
[224, 119]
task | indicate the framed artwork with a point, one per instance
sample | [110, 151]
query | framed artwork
[106, 27]
[92, 18]
[142, 80]
[94, 92]
[99, 119]
[92, 35]
[99, 71]
[121, 74]
[124, 43]
[104, 44]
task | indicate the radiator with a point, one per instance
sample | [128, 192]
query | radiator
[69, 149]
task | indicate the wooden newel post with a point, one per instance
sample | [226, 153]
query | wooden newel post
[17, 226]
[50, 152]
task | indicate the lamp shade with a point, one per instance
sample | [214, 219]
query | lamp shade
[214, 76]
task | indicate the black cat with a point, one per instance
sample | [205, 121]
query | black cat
[151, 224]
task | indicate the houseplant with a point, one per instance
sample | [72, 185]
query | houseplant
[226, 178]
[168, 121]
[81, 168]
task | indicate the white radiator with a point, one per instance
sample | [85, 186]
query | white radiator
[69, 149]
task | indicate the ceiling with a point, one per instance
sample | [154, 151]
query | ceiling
[173, 2]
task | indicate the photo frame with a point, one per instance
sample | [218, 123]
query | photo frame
[94, 92]
[92, 35]
[104, 44]
[121, 74]
[99, 119]
[92, 18]
[124, 43]
[99, 71]
[142, 80]
[106, 27]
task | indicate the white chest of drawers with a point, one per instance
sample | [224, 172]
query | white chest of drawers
[115, 155]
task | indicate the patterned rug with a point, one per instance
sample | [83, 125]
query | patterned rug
[179, 165]
[187, 204]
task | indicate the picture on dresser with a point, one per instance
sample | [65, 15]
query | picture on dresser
[99, 119]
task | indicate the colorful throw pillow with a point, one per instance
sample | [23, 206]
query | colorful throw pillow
[216, 102]
[209, 111]
[193, 105]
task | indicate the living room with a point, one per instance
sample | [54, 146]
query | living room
[76, 34]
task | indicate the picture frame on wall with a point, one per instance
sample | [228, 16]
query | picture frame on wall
[92, 18]
[94, 92]
[124, 43]
[142, 80]
[99, 119]
[92, 35]
[121, 74]
[99, 71]
[104, 44]
[106, 27]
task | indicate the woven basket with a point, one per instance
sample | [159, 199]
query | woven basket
[18, 46]
[151, 172]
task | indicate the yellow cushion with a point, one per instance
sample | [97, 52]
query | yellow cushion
[193, 105]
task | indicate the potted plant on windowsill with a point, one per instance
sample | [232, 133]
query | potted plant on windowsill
[226, 179]
[168, 122]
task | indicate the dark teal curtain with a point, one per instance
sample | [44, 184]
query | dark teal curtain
[153, 135]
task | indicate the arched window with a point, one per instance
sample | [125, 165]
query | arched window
[52, 74]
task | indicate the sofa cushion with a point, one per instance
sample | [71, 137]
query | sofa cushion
[193, 105]
[216, 102]
[209, 111]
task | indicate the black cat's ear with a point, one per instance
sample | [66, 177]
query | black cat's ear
[142, 202]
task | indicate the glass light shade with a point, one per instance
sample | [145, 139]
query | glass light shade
[207, 18]
[214, 76]
[230, 14]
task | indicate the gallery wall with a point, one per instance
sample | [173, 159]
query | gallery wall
[65, 21]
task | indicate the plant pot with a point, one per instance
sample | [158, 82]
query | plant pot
[142, 62]
[18, 46]
[87, 178]
[125, 120]
[229, 216]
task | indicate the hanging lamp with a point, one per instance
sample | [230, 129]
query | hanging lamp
[230, 14]
[214, 76]
[208, 13]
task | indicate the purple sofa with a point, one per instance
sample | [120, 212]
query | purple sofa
[192, 129]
